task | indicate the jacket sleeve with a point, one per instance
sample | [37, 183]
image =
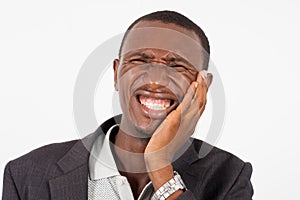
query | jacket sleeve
[10, 191]
[242, 188]
[187, 195]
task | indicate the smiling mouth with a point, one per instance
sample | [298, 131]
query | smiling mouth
[155, 103]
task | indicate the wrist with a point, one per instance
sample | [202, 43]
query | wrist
[157, 160]
[171, 189]
[161, 176]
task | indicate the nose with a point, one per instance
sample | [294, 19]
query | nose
[157, 74]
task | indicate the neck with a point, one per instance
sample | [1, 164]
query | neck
[130, 143]
[129, 152]
[129, 156]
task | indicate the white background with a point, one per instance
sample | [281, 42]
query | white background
[254, 44]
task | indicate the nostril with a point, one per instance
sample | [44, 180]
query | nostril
[154, 86]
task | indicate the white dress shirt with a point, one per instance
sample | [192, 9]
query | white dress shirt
[105, 181]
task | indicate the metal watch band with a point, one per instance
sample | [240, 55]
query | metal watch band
[167, 189]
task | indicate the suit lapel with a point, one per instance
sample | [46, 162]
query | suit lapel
[188, 166]
[70, 186]
[73, 183]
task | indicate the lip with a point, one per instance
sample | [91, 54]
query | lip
[162, 93]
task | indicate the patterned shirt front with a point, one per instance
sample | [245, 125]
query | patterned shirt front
[105, 181]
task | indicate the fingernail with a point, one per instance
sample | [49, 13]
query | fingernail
[196, 84]
[116, 87]
[203, 74]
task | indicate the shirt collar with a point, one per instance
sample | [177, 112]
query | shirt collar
[101, 161]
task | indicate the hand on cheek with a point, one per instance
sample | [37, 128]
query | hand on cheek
[178, 126]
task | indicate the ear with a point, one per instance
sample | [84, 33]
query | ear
[116, 67]
[209, 79]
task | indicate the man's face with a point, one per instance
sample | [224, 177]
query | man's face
[157, 65]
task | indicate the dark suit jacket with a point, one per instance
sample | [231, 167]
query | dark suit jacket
[60, 171]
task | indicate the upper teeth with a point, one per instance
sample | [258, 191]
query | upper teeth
[155, 104]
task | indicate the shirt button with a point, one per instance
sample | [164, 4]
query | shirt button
[120, 182]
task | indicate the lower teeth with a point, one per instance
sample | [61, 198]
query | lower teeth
[156, 107]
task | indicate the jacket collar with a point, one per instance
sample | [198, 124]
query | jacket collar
[74, 165]
[101, 161]
[73, 183]
[78, 155]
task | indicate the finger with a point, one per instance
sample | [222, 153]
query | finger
[199, 100]
[200, 93]
[203, 76]
[209, 79]
[185, 104]
[200, 97]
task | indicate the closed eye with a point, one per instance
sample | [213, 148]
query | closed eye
[137, 61]
[180, 68]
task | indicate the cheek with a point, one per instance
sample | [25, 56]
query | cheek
[125, 67]
[126, 97]
[190, 76]
[123, 93]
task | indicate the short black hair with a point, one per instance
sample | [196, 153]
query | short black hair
[173, 17]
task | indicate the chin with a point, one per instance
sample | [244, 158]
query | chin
[139, 126]
[146, 130]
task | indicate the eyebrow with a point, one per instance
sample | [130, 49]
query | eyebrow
[141, 54]
[180, 59]
[176, 59]
[173, 59]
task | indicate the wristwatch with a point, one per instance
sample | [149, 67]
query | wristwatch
[174, 184]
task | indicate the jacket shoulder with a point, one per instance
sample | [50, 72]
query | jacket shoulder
[29, 173]
[225, 174]
[213, 156]
[39, 162]
[48, 153]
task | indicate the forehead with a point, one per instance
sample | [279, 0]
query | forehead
[169, 37]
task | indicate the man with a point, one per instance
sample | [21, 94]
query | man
[146, 153]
